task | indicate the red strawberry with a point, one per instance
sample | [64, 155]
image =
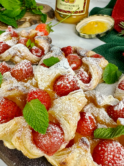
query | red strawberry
[67, 50]
[45, 28]
[11, 30]
[74, 61]
[22, 70]
[3, 47]
[42, 64]
[97, 56]
[40, 94]
[4, 67]
[37, 51]
[116, 111]
[8, 110]
[86, 124]
[50, 142]
[66, 84]
[121, 85]
[23, 40]
[109, 152]
[83, 76]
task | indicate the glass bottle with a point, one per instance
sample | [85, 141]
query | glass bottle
[66, 7]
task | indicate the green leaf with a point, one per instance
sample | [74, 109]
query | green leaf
[12, 13]
[1, 78]
[28, 43]
[32, 45]
[1, 32]
[109, 133]
[36, 116]
[43, 18]
[10, 4]
[40, 7]
[8, 20]
[18, 17]
[51, 61]
[111, 74]
[30, 3]
[35, 11]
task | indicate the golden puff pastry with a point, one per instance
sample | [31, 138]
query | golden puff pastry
[97, 107]
[17, 53]
[119, 93]
[77, 155]
[6, 37]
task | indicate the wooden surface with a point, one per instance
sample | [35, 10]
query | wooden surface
[30, 19]
[16, 158]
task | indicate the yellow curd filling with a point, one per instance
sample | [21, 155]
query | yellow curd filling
[94, 27]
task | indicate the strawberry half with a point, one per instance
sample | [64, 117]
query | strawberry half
[3, 47]
[66, 84]
[40, 94]
[67, 50]
[4, 67]
[86, 124]
[109, 152]
[8, 110]
[50, 142]
[22, 70]
[83, 76]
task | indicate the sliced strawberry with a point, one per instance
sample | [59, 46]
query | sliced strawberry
[74, 61]
[3, 47]
[109, 152]
[86, 124]
[4, 67]
[22, 70]
[66, 84]
[40, 94]
[116, 111]
[8, 110]
[45, 28]
[42, 64]
[50, 142]
[83, 76]
[37, 51]
[11, 30]
[23, 40]
[67, 50]
[97, 56]
[121, 85]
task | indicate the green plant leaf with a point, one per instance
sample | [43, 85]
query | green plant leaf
[1, 32]
[51, 61]
[43, 18]
[35, 11]
[30, 3]
[111, 74]
[1, 78]
[12, 13]
[109, 133]
[28, 43]
[8, 20]
[10, 4]
[36, 116]
[40, 7]
[18, 17]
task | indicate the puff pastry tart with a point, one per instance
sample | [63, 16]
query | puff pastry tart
[119, 91]
[54, 111]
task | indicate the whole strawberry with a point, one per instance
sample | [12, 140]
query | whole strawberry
[8, 110]
[109, 152]
[86, 124]
[40, 94]
[45, 28]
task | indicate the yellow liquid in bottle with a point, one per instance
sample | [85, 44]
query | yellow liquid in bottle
[66, 7]
[94, 27]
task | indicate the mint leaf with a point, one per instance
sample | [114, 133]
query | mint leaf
[109, 133]
[28, 43]
[30, 3]
[18, 17]
[40, 7]
[51, 61]
[36, 116]
[8, 20]
[12, 13]
[111, 74]
[43, 18]
[10, 4]
[1, 78]
[35, 11]
[32, 45]
[1, 32]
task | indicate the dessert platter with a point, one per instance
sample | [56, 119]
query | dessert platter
[50, 112]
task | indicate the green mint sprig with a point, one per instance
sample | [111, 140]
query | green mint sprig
[111, 74]
[109, 133]
[29, 44]
[1, 78]
[1, 32]
[12, 11]
[51, 61]
[36, 116]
